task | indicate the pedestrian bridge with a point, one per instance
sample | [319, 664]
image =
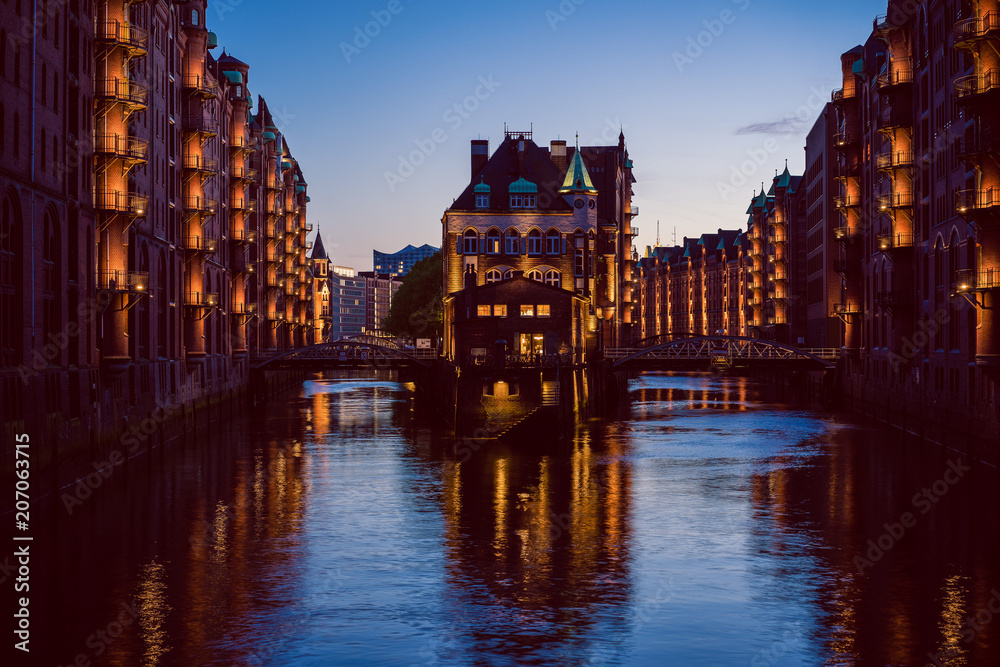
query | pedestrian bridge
[361, 352]
[719, 351]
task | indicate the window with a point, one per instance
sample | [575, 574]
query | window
[522, 201]
[534, 242]
[470, 242]
[534, 275]
[484, 311]
[508, 274]
[493, 242]
[482, 200]
[579, 265]
[527, 311]
[512, 243]
[544, 310]
[500, 310]
[552, 278]
[493, 275]
[194, 17]
[553, 241]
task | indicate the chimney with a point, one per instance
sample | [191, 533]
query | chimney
[558, 152]
[480, 155]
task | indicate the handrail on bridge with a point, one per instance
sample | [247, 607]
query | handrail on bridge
[695, 348]
[368, 349]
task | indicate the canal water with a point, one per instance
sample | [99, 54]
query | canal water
[714, 522]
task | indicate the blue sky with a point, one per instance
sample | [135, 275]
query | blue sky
[381, 122]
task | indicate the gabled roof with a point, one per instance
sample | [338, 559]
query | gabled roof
[506, 167]
[577, 177]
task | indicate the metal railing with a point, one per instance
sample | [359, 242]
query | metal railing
[199, 163]
[891, 241]
[244, 235]
[895, 200]
[977, 84]
[243, 204]
[132, 37]
[201, 299]
[200, 84]
[897, 73]
[978, 199]
[200, 125]
[118, 280]
[199, 204]
[200, 244]
[847, 201]
[121, 90]
[977, 27]
[894, 160]
[972, 280]
[121, 202]
[121, 145]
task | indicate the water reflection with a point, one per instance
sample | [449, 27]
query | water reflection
[715, 522]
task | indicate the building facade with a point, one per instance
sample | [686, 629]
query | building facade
[380, 288]
[400, 262]
[152, 222]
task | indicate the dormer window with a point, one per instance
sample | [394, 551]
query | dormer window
[522, 193]
[482, 195]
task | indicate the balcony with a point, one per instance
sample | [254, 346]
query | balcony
[121, 146]
[845, 233]
[201, 125]
[976, 280]
[847, 201]
[201, 299]
[971, 201]
[970, 31]
[244, 236]
[972, 149]
[200, 163]
[123, 91]
[276, 316]
[886, 242]
[895, 200]
[633, 211]
[844, 139]
[244, 309]
[274, 281]
[200, 205]
[898, 73]
[273, 254]
[200, 85]
[894, 160]
[241, 173]
[243, 144]
[114, 201]
[125, 35]
[894, 298]
[200, 244]
[243, 204]
[978, 87]
[840, 309]
[895, 117]
[309, 228]
[119, 281]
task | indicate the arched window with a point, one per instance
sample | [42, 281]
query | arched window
[55, 154]
[194, 17]
[508, 274]
[553, 278]
[534, 243]
[43, 149]
[17, 134]
[553, 242]
[938, 263]
[493, 275]
[161, 306]
[512, 243]
[470, 242]
[580, 244]
[535, 275]
[493, 241]
[953, 259]
[10, 285]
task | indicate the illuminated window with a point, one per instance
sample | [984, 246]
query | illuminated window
[500, 310]
[552, 278]
[493, 242]
[493, 275]
[527, 311]
[544, 310]
[484, 311]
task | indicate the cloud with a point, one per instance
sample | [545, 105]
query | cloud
[787, 125]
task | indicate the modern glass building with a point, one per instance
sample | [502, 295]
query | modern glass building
[399, 263]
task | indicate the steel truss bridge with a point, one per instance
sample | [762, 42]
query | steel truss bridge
[360, 352]
[726, 351]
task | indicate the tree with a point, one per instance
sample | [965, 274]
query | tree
[416, 310]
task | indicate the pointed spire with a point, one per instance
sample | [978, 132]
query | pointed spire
[319, 252]
[577, 178]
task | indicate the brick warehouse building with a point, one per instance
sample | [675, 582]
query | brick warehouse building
[153, 229]
[561, 216]
[889, 246]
